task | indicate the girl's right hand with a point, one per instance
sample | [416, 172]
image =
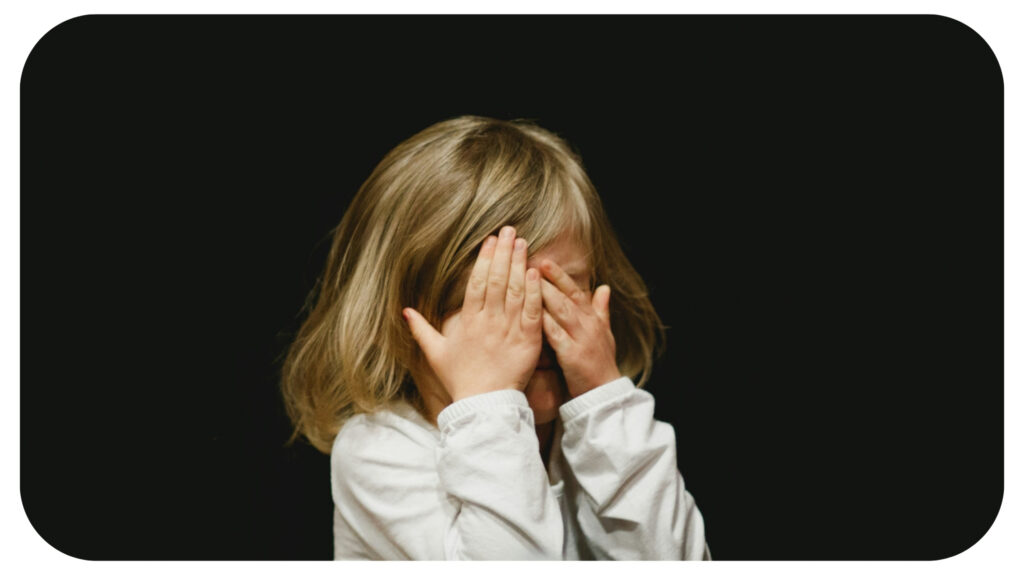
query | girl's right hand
[494, 341]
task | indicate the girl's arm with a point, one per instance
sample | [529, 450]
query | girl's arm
[631, 500]
[489, 466]
[479, 493]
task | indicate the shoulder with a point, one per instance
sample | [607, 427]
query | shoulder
[385, 487]
[369, 443]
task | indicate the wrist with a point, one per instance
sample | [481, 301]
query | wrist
[593, 382]
[493, 402]
[474, 390]
[598, 396]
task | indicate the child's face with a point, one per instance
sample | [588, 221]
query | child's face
[546, 391]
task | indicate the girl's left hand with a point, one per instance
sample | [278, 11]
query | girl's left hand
[578, 329]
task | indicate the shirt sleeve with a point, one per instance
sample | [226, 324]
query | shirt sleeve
[631, 502]
[489, 465]
[480, 492]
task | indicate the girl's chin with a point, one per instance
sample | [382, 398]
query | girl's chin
[546, 392]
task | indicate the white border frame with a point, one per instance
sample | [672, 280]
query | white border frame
[23, 23]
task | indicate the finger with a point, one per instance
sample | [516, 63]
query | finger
[602, 297]
[476, 287]
[516, 279]
[557, 337]
[533, 307]
[497, 277]
[425, 335]
[560, 307]
[565, 283]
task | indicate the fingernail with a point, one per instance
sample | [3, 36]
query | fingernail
[489, 243]
[520, 244]
[508, 232]
[531, 274]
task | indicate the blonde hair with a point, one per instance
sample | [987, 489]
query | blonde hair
[409, 238]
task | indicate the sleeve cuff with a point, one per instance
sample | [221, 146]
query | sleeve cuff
[594, 397]
[481, 402]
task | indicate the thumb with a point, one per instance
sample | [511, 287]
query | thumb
[425, 335]
[600, 301]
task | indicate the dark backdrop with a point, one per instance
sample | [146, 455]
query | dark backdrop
[815, 202]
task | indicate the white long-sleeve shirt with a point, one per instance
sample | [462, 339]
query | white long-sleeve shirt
[474, 487]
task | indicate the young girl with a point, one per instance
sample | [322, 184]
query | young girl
[474, 390]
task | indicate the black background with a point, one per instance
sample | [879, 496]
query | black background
[814, 201]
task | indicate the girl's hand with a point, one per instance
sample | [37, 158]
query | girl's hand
[494, 341]
[578, 329]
